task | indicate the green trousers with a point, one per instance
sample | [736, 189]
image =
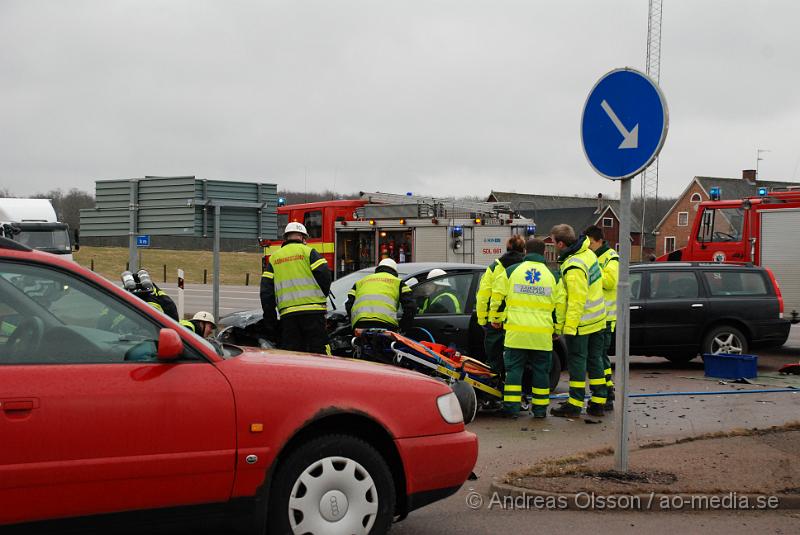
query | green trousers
[609, 337]
[515, 362]
[585, 352]
[493, 345]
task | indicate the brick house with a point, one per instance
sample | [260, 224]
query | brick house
[672, 232]
[578, 212]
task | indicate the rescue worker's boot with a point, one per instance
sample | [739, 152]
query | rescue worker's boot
[566, 410]
[595, 409]
[609, 406]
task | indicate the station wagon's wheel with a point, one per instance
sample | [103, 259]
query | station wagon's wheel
[335, 484]
[725, 340]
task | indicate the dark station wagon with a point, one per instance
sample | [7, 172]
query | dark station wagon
[680, 310]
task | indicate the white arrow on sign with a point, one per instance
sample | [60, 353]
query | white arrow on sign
[631, 139]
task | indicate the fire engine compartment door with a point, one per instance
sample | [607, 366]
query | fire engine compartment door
[780, 251]
[355, 249]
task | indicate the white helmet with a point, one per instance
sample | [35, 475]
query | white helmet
[438, 273]
[295, 227]
[205, 316]
[388, 262]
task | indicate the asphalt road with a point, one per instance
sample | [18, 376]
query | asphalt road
[231, 298]
[509, 445]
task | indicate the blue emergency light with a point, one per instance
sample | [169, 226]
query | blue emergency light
[715, 193]
[281, 201]
[531, 230]
[457, 231]
[762, 192]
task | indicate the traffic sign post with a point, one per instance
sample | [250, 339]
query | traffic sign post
[623, 127]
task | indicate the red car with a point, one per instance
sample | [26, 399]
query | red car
[107, 405]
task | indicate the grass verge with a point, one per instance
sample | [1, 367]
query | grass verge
[234, 267]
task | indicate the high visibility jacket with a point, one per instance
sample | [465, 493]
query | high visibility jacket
[377, 297]
[530, 293]
[189, 325]
[609, 265]
[447, 297]
[582, 279]
[484, 294]
[296, 290]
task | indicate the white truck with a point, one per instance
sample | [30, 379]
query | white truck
[33, 222]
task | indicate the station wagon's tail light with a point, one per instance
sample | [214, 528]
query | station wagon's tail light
[777, 291]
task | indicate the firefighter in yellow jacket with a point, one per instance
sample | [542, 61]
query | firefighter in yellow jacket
[373, 302]
[297, 282]
[529, 293]
[609, 264]
[493, 338]
[581, 319]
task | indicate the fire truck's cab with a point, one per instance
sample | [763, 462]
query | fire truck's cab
[319, 218]
[758, 230]
[732, 230]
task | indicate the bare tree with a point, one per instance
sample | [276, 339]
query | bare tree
[68, 205]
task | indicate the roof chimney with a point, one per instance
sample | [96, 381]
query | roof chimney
[749, 175]
[599, 203]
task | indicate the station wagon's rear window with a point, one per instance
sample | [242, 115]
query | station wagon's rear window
[736, 283]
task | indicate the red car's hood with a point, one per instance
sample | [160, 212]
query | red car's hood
[322, 363]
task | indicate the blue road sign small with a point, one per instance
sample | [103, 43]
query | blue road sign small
[143, 240]
[624, 124]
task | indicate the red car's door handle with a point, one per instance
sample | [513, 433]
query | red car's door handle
[18, 404]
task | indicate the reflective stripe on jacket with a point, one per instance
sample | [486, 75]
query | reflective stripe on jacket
[484, 294]
[189, 325]
[377, 298]
[295, 287]
[609, 264]
[582, 279]
[444, 296]
[530, 293]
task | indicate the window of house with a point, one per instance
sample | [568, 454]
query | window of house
[313, 224]
[608, 222]
[669, 244]
[683, 219]
[695, 197]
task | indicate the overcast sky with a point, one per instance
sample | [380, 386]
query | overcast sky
[435, 97]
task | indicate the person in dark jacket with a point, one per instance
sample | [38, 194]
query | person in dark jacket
[373, 302]
[493, 340]
[296, 283]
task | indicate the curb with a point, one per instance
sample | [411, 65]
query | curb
[505, 496]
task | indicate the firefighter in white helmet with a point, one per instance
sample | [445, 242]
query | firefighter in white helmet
[201, 324]
[296, 283]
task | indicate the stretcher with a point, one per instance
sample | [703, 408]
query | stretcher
[469, 378]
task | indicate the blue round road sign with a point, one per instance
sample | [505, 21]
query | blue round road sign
[624, 124]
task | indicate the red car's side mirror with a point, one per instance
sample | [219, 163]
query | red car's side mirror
[170, 345]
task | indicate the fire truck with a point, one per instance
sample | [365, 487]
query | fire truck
[358, 233]
[758, 230]
[319, 219]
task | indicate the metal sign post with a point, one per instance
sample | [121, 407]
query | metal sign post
[623, 128]
[180, 295]
[217, 206]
